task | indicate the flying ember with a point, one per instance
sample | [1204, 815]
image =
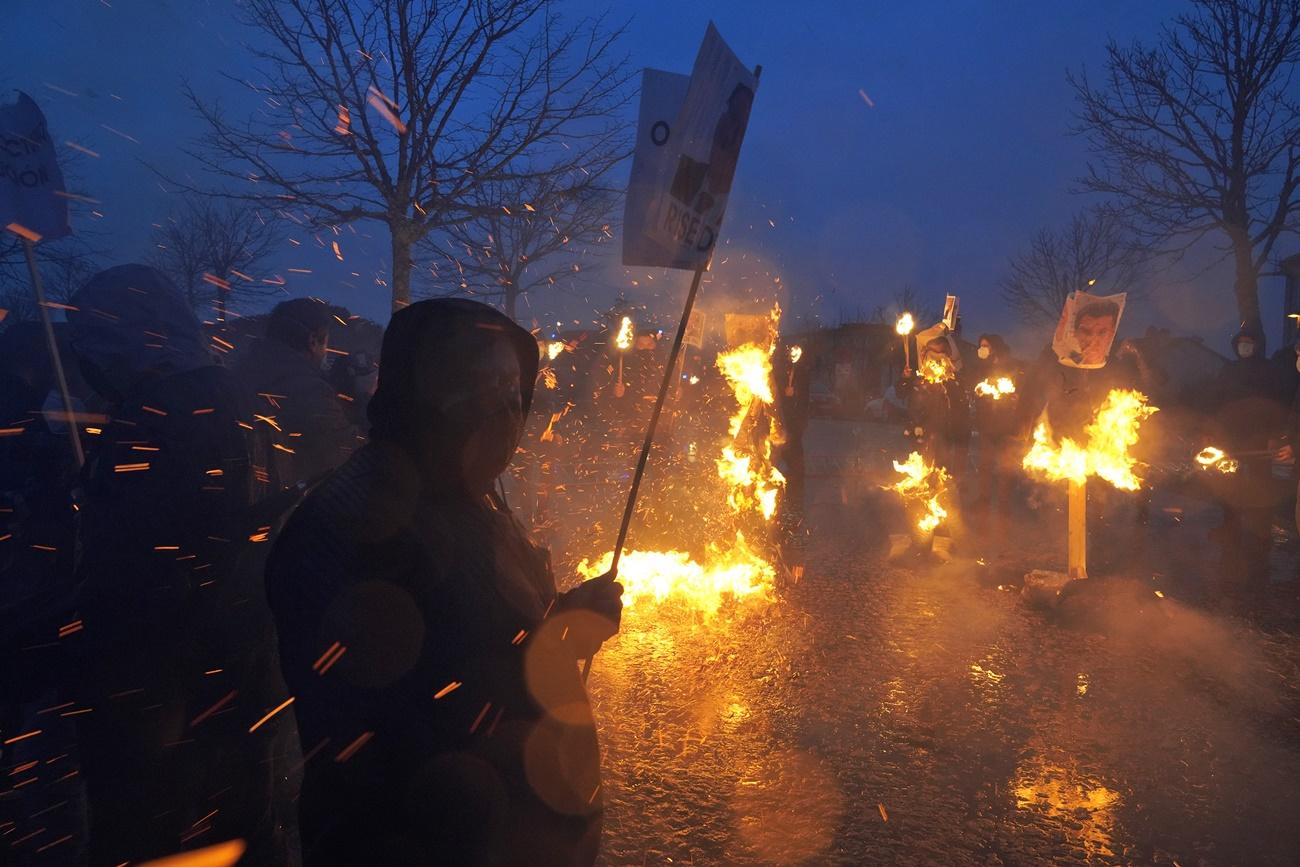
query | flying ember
[1110, 435]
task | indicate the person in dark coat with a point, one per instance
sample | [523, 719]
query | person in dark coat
[432, 660]
[792, 380]
[177, 655]
[284, 377]
[937, 402]
[1000, 424]
[1247, 420]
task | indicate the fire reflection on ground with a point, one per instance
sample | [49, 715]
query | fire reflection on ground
[1077, 803]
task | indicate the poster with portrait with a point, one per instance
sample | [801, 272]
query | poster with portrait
[662, 95]
[696, 171]
[1087, 327]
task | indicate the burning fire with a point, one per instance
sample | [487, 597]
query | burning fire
[737, 572]
[1111, 433]
[905, 324]
[921, 481]
[733, 570]
[796, 353]
[554, 348]
[624, 338]
[746, 464]
[996, 390]
[938, 369]
[1214, 458]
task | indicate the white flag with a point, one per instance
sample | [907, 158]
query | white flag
[30, 180]
[694, 182]
[662, 95]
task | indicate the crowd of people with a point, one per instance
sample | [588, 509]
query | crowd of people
[280, 603]
[285, 602]
[1250, 411]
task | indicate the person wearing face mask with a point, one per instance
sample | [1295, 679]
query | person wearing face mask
[283, 375]
[1246, 420]
[432, 661]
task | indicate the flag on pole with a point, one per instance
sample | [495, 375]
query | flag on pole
[674, 220]
[31, 185]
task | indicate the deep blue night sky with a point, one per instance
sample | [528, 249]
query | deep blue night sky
[964, 155]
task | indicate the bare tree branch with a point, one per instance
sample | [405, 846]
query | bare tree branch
[1095, 247]
[413, 112]
[1200, 134]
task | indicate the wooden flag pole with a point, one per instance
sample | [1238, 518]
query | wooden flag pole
[1077, 534]
[629, 508]
[55, 358]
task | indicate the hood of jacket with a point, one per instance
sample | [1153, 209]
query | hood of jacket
[425, 357]
[131, 326]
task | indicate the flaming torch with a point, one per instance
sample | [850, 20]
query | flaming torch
[623, 341]
[1110, 435]
[904, 328]
[796, 353]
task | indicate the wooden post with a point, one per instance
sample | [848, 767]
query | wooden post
[56, 360]
[1078, 530]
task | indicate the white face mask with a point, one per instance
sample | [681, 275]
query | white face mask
[1245, 350]
[983, 352]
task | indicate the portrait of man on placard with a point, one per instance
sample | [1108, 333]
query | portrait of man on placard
[1086, 329]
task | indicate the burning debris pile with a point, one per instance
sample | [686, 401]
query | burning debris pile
[922, 483]
[734, 569]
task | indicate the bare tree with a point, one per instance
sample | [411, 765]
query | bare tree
[403, 111]
[208, 247]
[1094, 249]
[535, 236]
[1200, 135]
[907, 300]
[64, 266]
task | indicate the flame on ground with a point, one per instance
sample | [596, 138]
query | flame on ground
[996, 390]
[732, 571]
[922, 481]
[1111, 433]
[736, 572]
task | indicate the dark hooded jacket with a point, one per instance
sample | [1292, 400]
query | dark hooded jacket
[177, 647]
[300, 408]
[442, 716]
[999, 421]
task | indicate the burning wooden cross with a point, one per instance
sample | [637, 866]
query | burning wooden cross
[1110, 435]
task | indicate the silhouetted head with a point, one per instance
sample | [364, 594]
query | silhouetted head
[303, 325]
[455, 383]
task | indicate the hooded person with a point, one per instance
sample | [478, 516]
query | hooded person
[432, 660]
[176, 654]
[998, 421]
[937, 402]
[1247, 418]
[288, 389]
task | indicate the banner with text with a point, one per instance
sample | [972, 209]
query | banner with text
[31, 185]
